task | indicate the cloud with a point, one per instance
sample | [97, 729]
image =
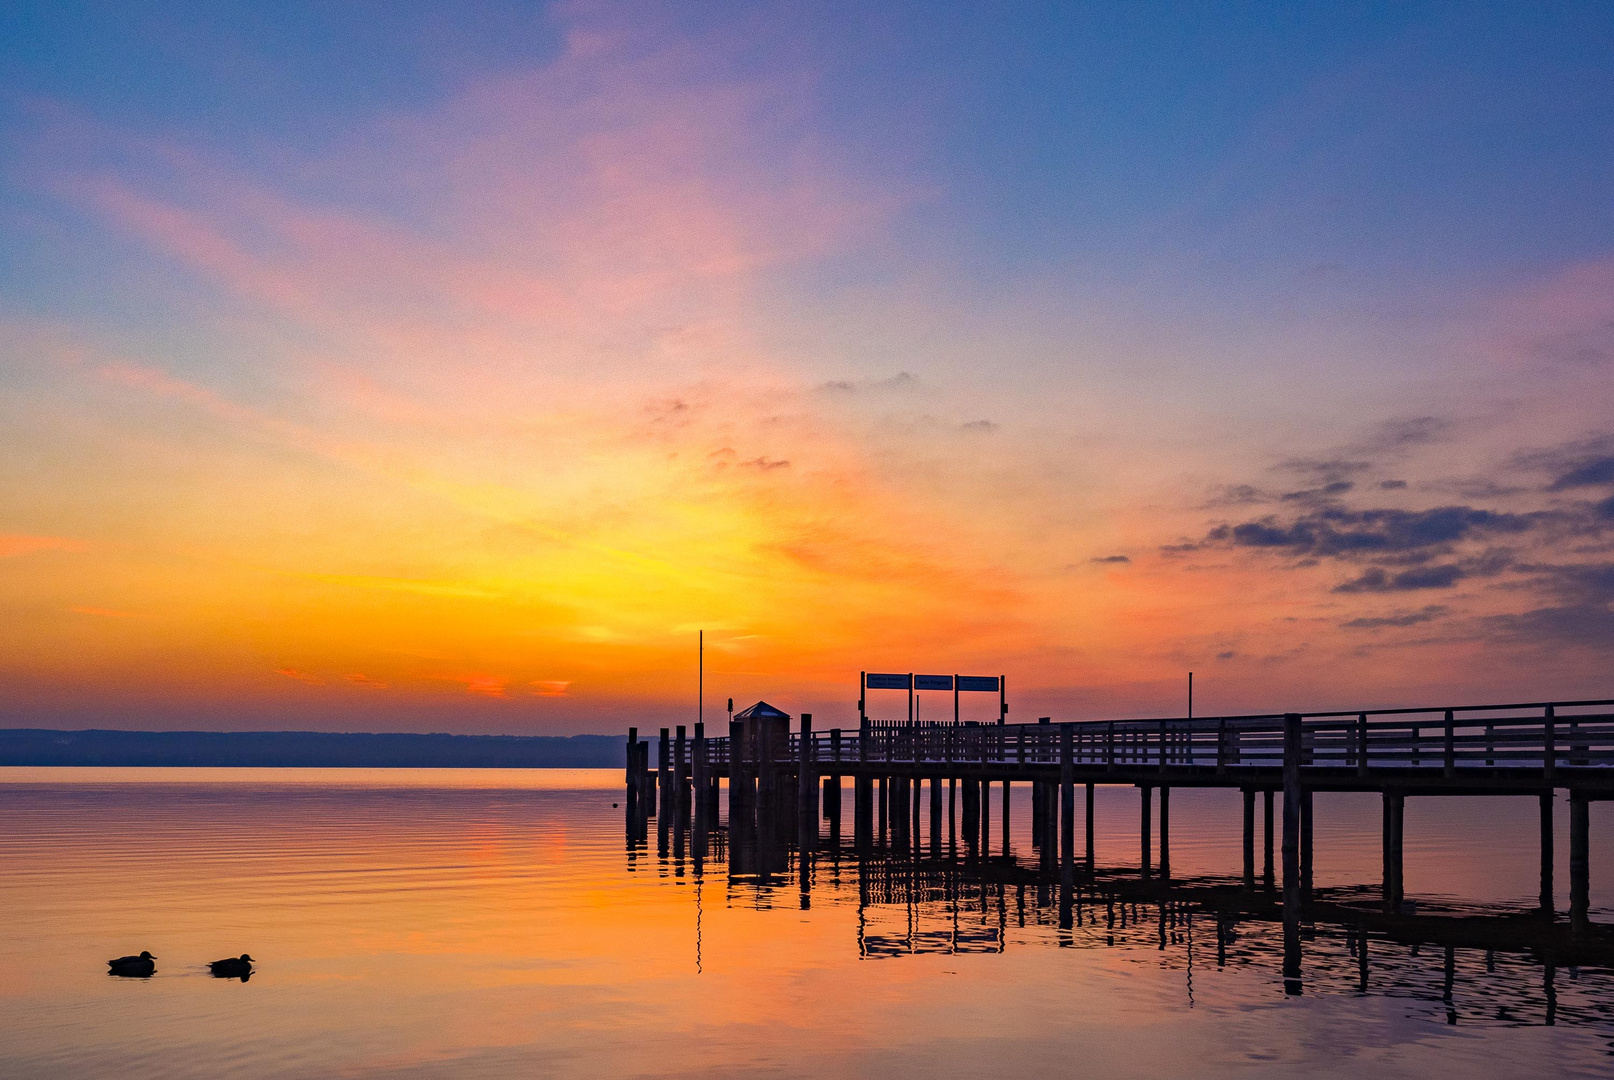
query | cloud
[1111, 559]
[1340, 532]
[1588, 473]
[1397, 436]
[1324, 470]
[1392, 485]
[1424, 577]
[1428, 613]
[300, 676]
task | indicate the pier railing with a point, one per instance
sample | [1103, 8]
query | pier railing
[1541, 736]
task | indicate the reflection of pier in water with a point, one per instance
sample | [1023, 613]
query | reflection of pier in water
[941, 882]
[1494, 966]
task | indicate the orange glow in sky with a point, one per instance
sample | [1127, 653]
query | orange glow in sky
[471, 418]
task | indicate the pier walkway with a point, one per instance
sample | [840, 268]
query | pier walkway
[781, 783]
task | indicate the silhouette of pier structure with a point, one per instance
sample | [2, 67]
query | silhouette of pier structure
[781, 784]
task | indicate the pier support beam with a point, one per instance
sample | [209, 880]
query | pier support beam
[1091, 868]
[1547, 901]
[680, 773]
[935, 815]
[1005, 817]
[1036, 814]
[1305, 846]
[1249, 838]
[1067, 806]
[884, 803]
[664, 786]
[1394, 805]
[862, 812]
[1291, 820]
[1165, 835]
[1148, 805]
[972, 815]
[1266, 810]
[1579, 860]
[986, 817]
[806, 788]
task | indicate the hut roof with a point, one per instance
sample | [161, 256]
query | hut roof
[761, 711]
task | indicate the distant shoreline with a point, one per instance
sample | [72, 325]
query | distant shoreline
[305, 749]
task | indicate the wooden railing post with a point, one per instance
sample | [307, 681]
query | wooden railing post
[1163, 731]
[1451, 746]
[1549, 759]
[1361, 749]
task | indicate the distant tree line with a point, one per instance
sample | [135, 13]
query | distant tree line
[306, 749]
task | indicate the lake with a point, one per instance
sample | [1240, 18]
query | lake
[469, 923]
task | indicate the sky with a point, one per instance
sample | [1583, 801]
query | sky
[451, 367]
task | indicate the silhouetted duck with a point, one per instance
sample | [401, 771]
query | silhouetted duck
[134, 967]
[232, 967]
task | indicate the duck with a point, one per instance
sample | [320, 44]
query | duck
[135, 967]
[232, 967]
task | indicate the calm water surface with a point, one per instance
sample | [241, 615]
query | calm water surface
[490, 923]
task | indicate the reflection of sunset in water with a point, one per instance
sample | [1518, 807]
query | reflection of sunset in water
[479, 922]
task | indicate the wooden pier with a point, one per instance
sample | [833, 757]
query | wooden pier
[782, 783]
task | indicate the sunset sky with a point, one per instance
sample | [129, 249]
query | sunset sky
[448, 367]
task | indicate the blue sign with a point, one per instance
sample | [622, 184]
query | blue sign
[932, 682]
[978, 682]
[888, 682]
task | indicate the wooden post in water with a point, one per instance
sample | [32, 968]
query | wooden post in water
[806, 788]
[1249, 838]
[1091, 868]
[884, 803]
[972, 814]
[862, 812]
[1067, 806]
[697, 772]
[646, 779]
[1291, 820]
[986, 817]
[1005, 817]
[1165, 834]
[935, 815]
[664, 777]
[1548, 903]
[1266, 838]
[918, 801]
[1305, 846]
[1579, 860]
[1147, 792]
[1036, 814]
[632, 797]
[1394, 808]
[680, 772]
[739, 781]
